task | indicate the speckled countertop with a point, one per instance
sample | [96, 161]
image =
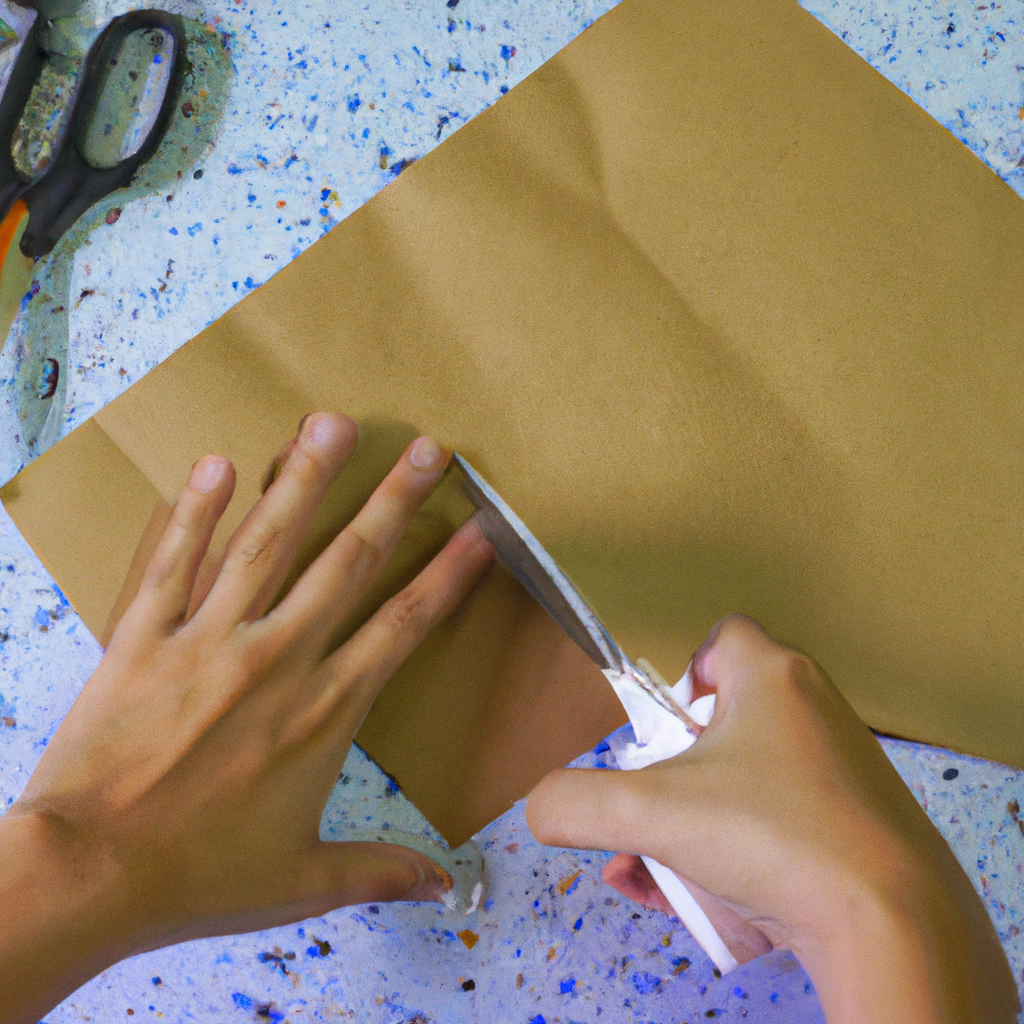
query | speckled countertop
[320, 111]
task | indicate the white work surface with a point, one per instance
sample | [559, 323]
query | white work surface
[320, 99]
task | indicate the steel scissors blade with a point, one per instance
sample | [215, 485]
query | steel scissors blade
[525, 557]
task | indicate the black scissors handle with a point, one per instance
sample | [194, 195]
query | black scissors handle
[27, 66]
[71, 184]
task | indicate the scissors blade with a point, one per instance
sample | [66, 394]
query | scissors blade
[524, 556]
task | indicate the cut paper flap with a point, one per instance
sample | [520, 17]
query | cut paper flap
[725, 317]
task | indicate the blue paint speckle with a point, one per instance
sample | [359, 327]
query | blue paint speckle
[645, 983]
[567, 986]
[354, 103]
[242, 1001]
[578, 925]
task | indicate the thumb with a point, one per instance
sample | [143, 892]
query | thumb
[591, 809]
[608, 810]
[340, 874]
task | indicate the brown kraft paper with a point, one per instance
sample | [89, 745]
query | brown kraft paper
[728, 320]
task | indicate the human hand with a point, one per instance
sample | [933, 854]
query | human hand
[182, 794]
[786, 820]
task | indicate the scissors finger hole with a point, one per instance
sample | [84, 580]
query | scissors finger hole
[136, 77]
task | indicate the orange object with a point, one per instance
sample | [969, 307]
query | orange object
[9, 228]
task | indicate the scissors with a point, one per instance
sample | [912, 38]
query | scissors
[524, 556]
[107, 125]
[80, 111]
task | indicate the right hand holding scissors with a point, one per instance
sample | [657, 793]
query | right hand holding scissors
[789, 822]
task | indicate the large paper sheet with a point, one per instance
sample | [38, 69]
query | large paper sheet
[731, 324]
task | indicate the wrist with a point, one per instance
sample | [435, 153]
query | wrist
[910, 945]
[867, 956]
[61, 914]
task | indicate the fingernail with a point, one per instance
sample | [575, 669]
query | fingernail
[323, 431]
[442, 883]
[433, 883]
[206, 474]
[427, 454]
[302, 423]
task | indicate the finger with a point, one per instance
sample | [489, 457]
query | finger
[734, 650]
[628, 874]
[358, 670]
[257, 558]
[335, 583]
[340, 874]
[274, 469]
[584, 809]
[744, 940]
[209, 570]
[144, 551]
[166, 585]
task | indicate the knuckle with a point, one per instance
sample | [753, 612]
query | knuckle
[255, 652]
[160, 571]
[734, 639]
[360, 555]
[739, 625]
[253, 549]
[408, 609]
[797, 673]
